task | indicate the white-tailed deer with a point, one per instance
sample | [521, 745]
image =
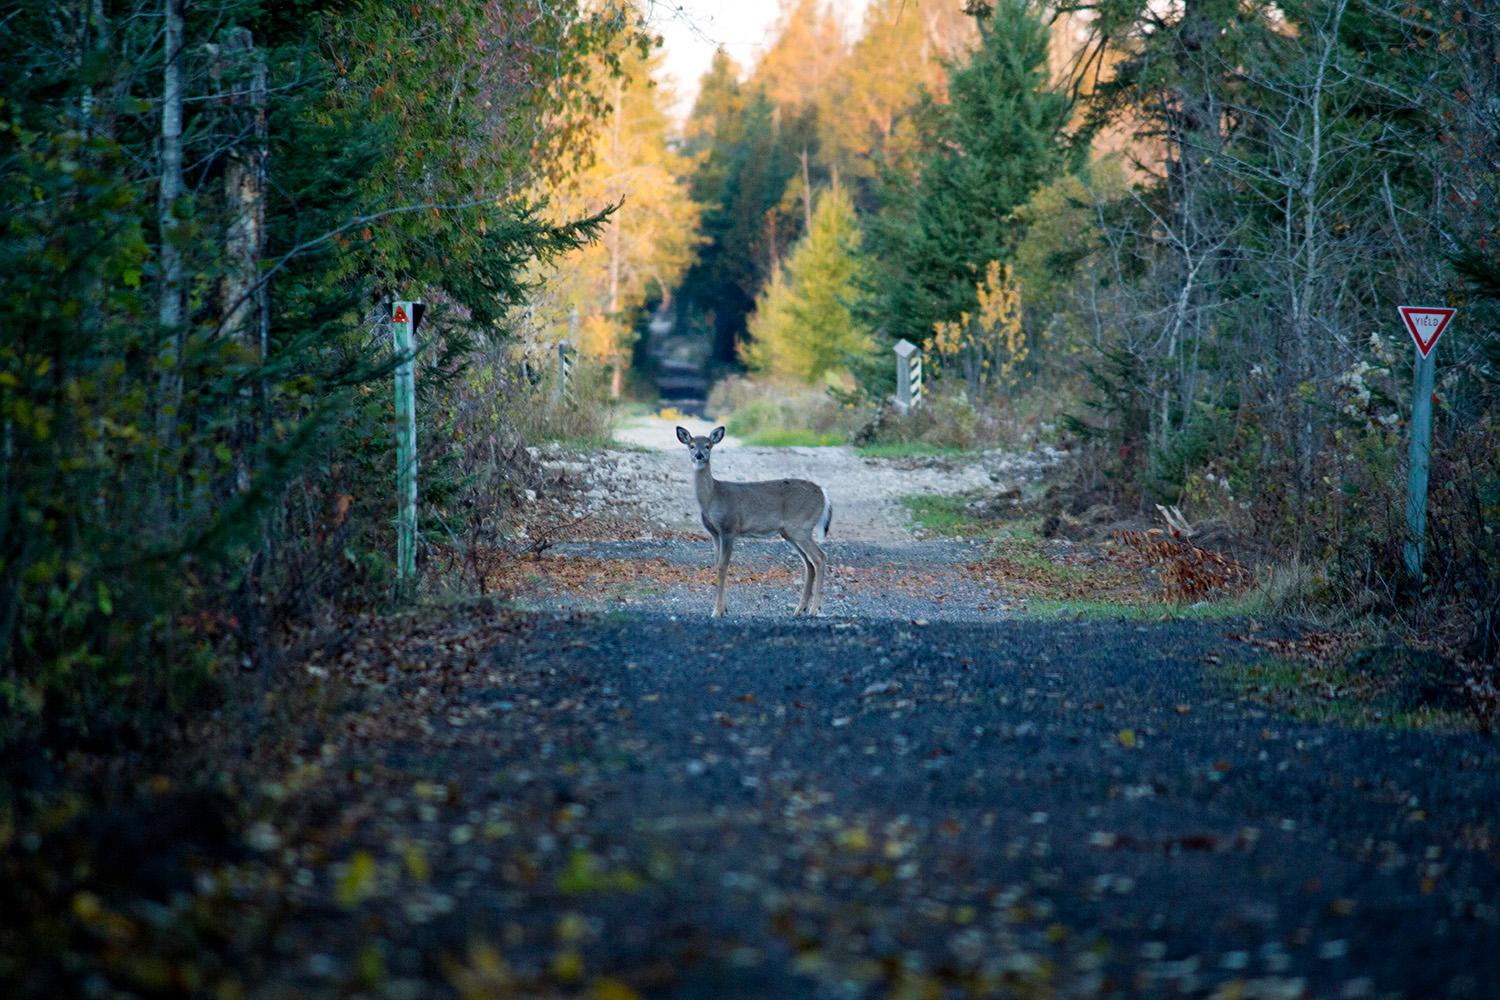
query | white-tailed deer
[795, 509]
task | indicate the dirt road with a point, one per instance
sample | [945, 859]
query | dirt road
[592, 789]
[656, 480]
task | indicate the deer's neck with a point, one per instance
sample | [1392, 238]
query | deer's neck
[703, 485]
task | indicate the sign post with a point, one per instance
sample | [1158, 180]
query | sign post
[564, 368]
[405, 315]
[1425, 324]
[908, 375]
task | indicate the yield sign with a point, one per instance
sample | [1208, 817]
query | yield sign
[1426, 324]
[401, 317]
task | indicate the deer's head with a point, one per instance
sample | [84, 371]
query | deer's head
[699, 447]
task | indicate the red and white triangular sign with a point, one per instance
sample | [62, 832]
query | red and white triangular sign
[1426, 324]
[401, 317]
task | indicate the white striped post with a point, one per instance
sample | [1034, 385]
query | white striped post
[908, 375]
[564, 368]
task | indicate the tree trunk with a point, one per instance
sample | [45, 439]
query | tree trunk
[243, 294]
[617, 376]
[169, 303]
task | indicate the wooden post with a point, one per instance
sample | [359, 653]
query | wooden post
[908, 375]
[404, 315]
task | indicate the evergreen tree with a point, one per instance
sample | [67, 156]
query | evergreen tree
[804, 324]
[749, 150]
[998, 139]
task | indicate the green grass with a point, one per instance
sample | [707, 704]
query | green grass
[590, 444]
[1247, 605]
[907, 449]
[784, 437]
[1326, 692]
[942, 515]
[1046, 608]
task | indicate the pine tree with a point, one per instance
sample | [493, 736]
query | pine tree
[804, 325]
[749, 152]
[998, 139]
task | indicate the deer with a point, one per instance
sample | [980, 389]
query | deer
[796, 509]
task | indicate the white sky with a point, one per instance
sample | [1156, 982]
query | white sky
[692, 29]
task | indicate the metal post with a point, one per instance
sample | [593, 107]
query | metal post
[908, 375]
[1421, 451]
[1425, 324]
[404, 316]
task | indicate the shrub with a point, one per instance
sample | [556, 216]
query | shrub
[751, 407]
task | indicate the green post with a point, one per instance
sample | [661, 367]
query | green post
[403, 330]
[1425, 324]
[1416, 474]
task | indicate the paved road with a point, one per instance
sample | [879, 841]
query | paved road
[914, 796]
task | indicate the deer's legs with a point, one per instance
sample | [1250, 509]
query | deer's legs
[820, 572]
[807, 583]
[726, 549]
[812, 585]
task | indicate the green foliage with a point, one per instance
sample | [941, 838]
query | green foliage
[943, 515]
[789, 438]
[751, 149]
[997, 139]
[170, 496]
[907, 449]
[805, 323]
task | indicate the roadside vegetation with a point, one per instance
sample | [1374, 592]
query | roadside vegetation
[1335, 665]
[1173, 251]
[1168, 242]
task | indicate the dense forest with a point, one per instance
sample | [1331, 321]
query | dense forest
[1163, 243]
[1177, 236]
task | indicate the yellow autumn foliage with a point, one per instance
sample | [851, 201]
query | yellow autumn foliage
[988, 344]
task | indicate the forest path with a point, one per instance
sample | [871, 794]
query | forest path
[654, 479]
[654, 552]
[646, 802]
[593, 789]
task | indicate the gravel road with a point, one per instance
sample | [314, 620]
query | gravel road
[655, 482]
[918, 795]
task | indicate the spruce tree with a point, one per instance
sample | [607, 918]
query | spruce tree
[998, 139]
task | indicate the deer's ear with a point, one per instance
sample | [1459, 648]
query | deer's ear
[684, 436]
[716, 436]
